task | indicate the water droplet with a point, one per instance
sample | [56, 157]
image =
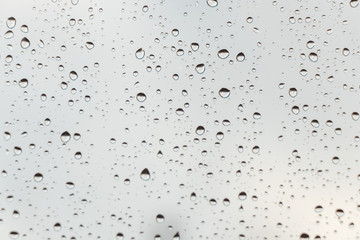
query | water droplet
[242, 196]
[257, 115]
[354, 3]
[175, 32]
[160, 218]
[13, 235]
[339, 213]
[38, 177]
[200, 68]
[240, 57]
[223, 53]
[304, 236]
[73, 75]
[89, 45]
[200, 130]
[318, 209]
[212, 3]
[9, 34]
[310, 44]
[145, 174]
[355, 116]
[176, 236]
[25, 43]
[140, 53]
[315, 123]
[179, 111]
[24, 28]
[11, 22]
[17, 151]
[345, 52]
[69, 185]
[141, 97]
[194, 46]
[335, 160]
[57, 227]
[313, 57]
[119, 236]
[23, 83]
[65, 137]
[293, 92]
[74, 2]
[224, 92]
[7, 136]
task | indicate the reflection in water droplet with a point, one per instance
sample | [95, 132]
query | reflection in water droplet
[25, 43]
[145, 174]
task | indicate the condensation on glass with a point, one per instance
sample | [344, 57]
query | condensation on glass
[179, 119]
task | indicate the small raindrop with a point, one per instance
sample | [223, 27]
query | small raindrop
[145, 174]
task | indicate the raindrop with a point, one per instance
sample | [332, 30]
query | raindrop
[11, 22]
[89, 45]
[224, 92]
[24, 28]
[140, 53]
[304, 236]
[355, 116]
[73, 75]
[25, 43]
[194, 46]
[141, 97]
[200, 130]
[23, 83]
[240, 57]
[293, 92]
[339, 213]
[313, 57]
[160, 218]
[354, 3]
[145, 174]
[69, 185]
[223, 53]
[65, 137]
[212, 3]
[14, 235]
[200, 68]
[38, 177]
[9, 34]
